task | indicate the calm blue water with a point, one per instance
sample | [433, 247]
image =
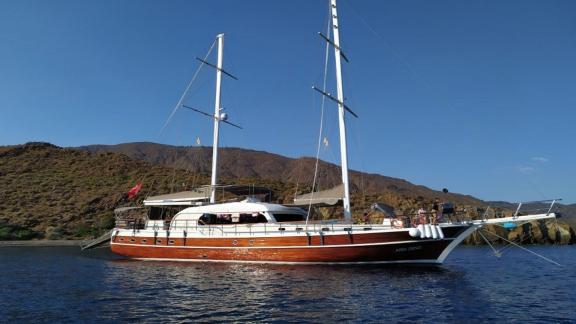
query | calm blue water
[64, 285]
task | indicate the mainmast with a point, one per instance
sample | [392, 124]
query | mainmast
[217, 118]
[341, 107]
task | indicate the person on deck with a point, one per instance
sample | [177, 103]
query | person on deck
[421, 215]
[440, 213]
[435, 208]
[366, 218]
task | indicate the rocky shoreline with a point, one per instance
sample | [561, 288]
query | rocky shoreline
[41, 243]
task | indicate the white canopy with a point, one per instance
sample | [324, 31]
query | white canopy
[329, 197]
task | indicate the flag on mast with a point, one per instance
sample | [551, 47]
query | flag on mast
[134, 191]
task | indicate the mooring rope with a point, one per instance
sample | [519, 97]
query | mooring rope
[496, 252]
[525, 249]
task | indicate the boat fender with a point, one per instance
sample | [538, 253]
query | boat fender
[427, 231]
[414, 232]
[434, 231]
[440, 232]
[421, 230]
[509, 225]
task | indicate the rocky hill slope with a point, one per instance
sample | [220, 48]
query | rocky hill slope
[51, 192]
[48, 192]
[243, 163]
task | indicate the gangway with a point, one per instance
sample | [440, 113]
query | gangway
[97, 242]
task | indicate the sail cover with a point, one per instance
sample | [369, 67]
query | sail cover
[203, 194]
[180, 198]
[329, 197]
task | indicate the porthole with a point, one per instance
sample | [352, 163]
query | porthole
[158, 241]
[235, 242]
[251, 242]
[171, 242]
[132, 240]
[144, 241]
[121, 240]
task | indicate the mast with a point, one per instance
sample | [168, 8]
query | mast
[217, 109]
[341, 121]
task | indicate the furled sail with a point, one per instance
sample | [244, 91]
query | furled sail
[180, 198]
[329, 197]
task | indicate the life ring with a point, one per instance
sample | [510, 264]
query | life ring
[397, 223]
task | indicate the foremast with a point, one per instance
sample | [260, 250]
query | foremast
[341, 120]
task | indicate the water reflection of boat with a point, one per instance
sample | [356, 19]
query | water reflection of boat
[194, 227]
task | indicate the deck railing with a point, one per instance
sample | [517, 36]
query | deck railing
[258, 229]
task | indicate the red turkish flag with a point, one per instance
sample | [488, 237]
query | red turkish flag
[132, 193]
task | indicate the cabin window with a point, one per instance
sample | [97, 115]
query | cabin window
[289, 217]
[132, 240]
[144, 241]
[164, 212]
[228, 218]
[207, 219]
[252, 218]
[158, 241]
[171, 242]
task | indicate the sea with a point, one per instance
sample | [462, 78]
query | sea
[65, 285]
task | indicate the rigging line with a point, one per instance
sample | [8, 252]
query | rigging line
[535, 187]
[183, 97]
[397, 55]
[525, 249]
[149, 191]
[496, 252]
[174, 168]
[362, 165]
[326, 57]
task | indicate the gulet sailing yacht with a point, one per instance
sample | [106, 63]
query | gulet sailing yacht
[257, 232]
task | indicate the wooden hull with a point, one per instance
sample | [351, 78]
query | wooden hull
[382, 247]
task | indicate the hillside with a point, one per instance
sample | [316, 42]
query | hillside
[243, 163]
[50, 192]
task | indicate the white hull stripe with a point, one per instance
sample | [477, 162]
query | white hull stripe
[281, 247]
[423, 261]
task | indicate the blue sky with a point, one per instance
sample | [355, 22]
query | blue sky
[474, 96]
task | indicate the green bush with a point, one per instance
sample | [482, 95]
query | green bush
[5, 234]
[8, 233]
[107, 221]
[83, 230]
